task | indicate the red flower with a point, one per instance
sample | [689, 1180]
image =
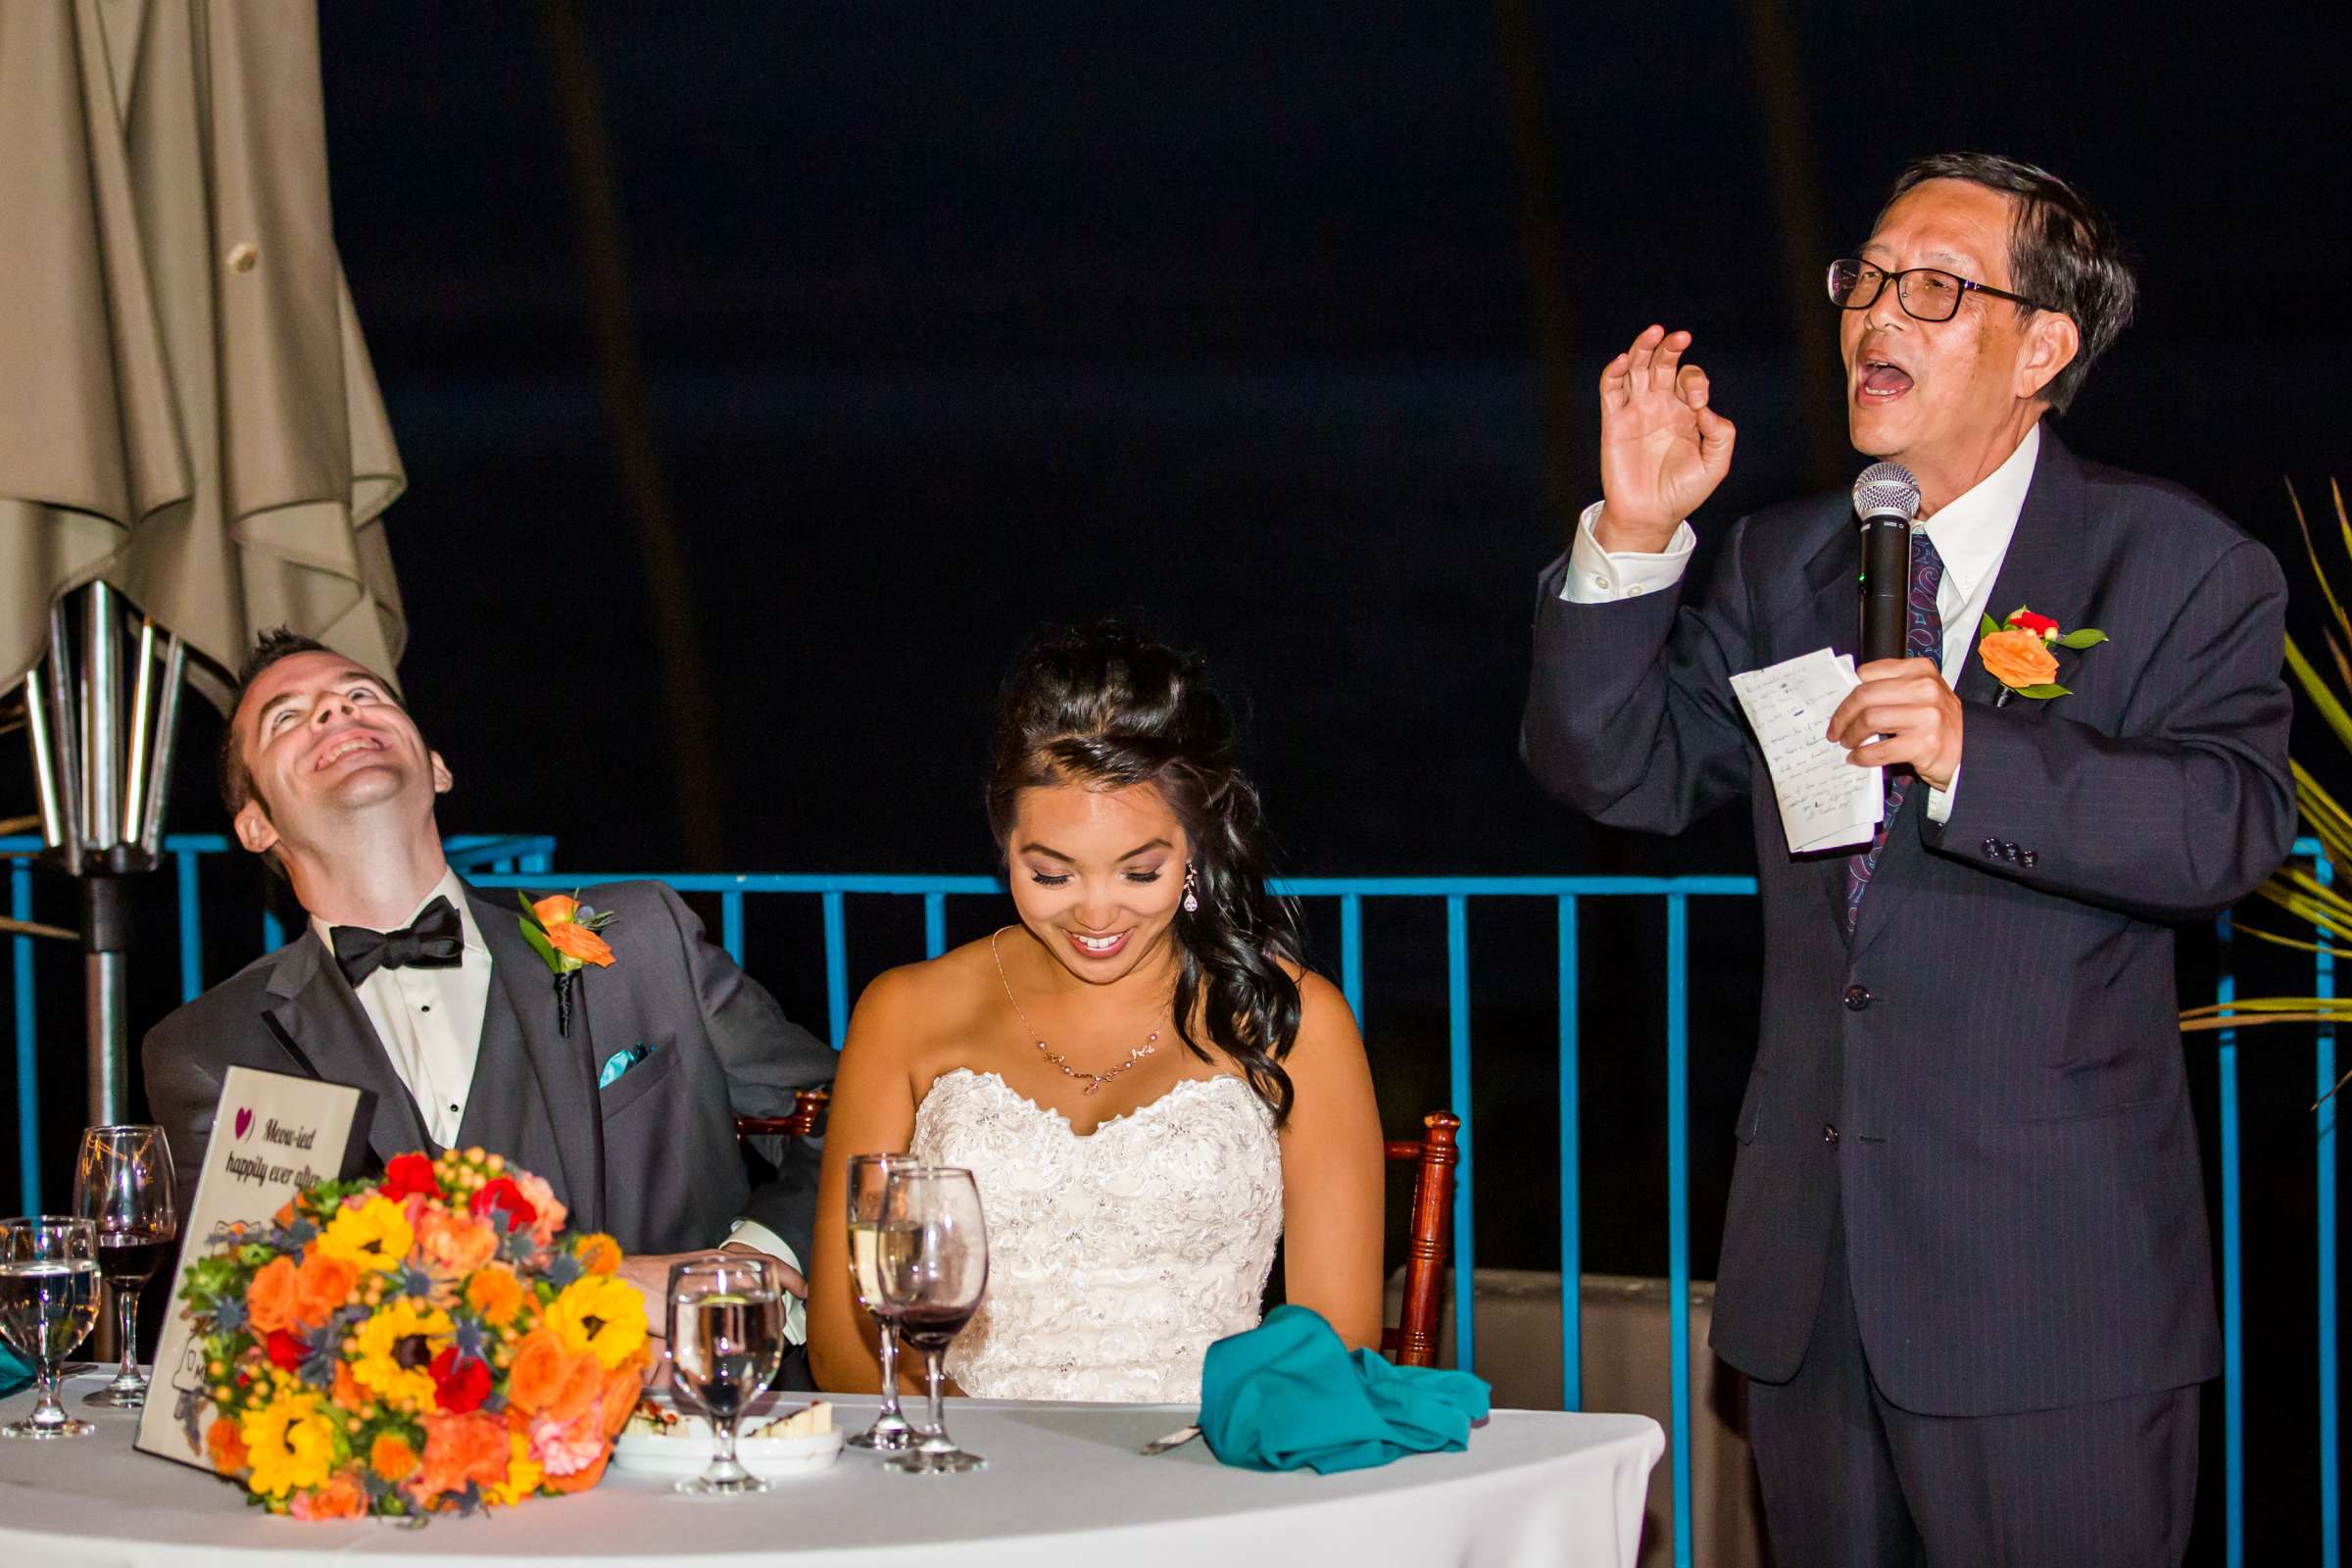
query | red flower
[459, 1383]
[286, 1353]
[2042, 626]
[504, 1194]
[410, 1176]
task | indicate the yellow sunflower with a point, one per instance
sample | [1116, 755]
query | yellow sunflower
[396, 1348]
[290, 1443]
[375, 1235]
[602, 1314]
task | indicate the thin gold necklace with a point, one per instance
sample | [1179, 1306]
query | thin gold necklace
[1091, 1080]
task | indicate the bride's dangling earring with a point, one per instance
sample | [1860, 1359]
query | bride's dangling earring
[1192, 889]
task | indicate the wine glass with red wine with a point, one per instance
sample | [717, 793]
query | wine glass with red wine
[932, 1271]
[123, 1184]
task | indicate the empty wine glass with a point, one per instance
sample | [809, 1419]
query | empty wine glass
[727, 1339]
[932, 1269]
[122, 1186]
[48, 1304]
[890, 1432]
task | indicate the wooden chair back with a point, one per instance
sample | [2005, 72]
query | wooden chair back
[1414, 1342]
[807, 1108]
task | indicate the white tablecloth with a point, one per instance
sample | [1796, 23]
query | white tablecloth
[1063, 1484]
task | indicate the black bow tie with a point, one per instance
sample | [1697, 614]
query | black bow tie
[435, 942]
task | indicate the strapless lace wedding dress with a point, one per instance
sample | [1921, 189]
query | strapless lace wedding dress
[1117, 1258]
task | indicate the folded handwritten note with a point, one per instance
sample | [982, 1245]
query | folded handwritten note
[1825, 802]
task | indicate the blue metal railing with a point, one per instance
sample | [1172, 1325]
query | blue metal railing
[527, 862]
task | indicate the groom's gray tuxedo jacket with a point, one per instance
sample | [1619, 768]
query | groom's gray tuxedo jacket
[1985, 1083]
[650, 1158]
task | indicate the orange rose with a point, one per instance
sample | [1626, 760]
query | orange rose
[622, 1386]
[495, 1294]
[342, 1497]
[580, 1479]
[453, 1245]
[598, 1253]
[556, 909]
[269, 1299]
[392, 1458]
[322, 1287]
[541, 1369]
[576, 941]
[2018, 658]
[225, 1446]
[459, 1449]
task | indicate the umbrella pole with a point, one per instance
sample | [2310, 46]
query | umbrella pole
[105, 900]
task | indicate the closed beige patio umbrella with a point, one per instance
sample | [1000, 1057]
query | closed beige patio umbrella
[192, 446]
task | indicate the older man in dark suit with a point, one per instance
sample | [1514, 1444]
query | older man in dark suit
[1965, 1263]
[412, 985]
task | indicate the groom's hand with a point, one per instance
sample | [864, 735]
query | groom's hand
[1663, 450]
[1901, 712]
[650, 1273]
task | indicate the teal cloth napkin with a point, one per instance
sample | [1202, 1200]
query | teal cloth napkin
[14, 1374]
[1287, 1395]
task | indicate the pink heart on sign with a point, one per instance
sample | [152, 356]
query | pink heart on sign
[244, 1121]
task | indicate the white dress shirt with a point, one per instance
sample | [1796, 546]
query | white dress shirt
[1971, 533]
[430, 1023]
[430, 1019]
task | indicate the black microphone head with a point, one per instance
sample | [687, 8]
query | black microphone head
[1886, 490]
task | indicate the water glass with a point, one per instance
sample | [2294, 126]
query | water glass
[868, 1173]
[931, 1271]
[727, 1339]
[48, 1306]
[122, 1186]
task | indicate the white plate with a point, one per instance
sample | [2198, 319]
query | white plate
[686, 1450]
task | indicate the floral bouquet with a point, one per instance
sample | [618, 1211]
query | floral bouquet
[426, 1341]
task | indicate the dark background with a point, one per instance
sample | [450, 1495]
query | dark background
[1274, 327]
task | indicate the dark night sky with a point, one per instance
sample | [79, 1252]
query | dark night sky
[964, 320]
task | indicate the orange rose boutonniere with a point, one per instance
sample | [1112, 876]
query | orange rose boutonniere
[2018, 653]
[564, 931]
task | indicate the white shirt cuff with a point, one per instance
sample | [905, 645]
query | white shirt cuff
[1598, 577]
[751, 1233]
[1939, 800]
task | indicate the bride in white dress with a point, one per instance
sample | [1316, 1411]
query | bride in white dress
[1149, 1089]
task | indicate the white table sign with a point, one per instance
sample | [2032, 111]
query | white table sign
[272, 1135]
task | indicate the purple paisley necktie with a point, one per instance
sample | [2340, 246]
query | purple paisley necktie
[1923, 639]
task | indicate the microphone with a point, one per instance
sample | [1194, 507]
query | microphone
[1885, 498]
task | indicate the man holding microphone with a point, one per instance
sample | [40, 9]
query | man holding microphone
[1965, 1264]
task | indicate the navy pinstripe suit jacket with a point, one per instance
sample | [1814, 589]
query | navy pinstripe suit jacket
[1996, 1045]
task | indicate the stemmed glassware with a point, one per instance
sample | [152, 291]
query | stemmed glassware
[727, 1339]
[122, 1186]
[48, 1304]
[931, 1271]
[890, 1433]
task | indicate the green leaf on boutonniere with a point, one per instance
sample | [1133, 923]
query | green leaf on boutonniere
[2041, 693]
[2088, 637]
[524, 899]
[555, 961]
[1990, 626]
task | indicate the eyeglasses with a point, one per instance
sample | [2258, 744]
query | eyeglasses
[1927, 293]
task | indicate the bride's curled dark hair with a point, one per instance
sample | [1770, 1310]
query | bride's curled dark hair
[1104, 708]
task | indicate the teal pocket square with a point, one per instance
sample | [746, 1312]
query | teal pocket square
[621, 1061]
[1287, 1395]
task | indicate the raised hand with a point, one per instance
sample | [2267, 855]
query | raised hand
[1663, 450]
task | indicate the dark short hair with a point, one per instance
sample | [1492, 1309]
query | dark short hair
[2062, 251]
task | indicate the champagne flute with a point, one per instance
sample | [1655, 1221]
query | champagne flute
[48, 1304]
[727, 1339]
[122, 1186]
[890, 1433]
[932, 1271]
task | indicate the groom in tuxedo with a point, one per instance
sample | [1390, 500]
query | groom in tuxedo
[1965, 1263]
[414, 986]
